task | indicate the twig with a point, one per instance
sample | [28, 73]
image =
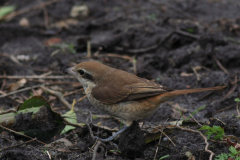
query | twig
[89, 128]
[49, 155]
[158, 146]
[82, 98]
[235, 82]
[168, 137]
[95, 149]
[195, 120]
[160, 140]
[204, 137]
[67, 94]
[18, 144]
[54, 82]
[187, 34]
[45, 74]
[223, 109]
[114, 55]
[220, 65]
[8, 111]
[204, 96]
[58, 95]
[231, 91]
[20, 90]
[22, 135]
[72, 124]
[13, 14]
[234, 137]
[220, 121]
[197, 75]
[34, 77]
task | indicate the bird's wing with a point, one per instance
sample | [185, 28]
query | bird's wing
[145, 88]
[140, 88]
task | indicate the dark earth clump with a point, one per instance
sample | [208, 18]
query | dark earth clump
[131, 142]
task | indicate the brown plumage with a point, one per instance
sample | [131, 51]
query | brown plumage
[123, 94]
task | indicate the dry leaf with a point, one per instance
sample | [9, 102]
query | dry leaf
[177, 111]
[52, 41]
[39, 91]
[177, 107]
[235, 145]
[18, 84]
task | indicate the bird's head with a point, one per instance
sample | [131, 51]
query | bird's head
[88, 73]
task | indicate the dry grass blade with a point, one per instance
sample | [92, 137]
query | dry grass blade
[220, 65]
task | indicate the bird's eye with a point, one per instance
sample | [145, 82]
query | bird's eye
[81, 72]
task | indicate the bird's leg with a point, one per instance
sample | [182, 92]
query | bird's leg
[113, 136]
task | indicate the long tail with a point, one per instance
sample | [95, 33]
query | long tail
[167, 96]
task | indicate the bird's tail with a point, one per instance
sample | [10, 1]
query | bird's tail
[168, 95]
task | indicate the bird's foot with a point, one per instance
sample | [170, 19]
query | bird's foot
[113, 136]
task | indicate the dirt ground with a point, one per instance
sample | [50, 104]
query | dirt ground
[178, 43]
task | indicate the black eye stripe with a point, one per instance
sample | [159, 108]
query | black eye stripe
[88, 76]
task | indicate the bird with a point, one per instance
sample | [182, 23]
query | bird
[122, 94]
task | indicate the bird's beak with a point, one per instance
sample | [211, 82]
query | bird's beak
[69, 71]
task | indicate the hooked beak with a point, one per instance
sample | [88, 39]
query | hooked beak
[69, 71]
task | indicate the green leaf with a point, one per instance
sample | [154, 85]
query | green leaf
[190, 30]
[222, 156]
[237, 158]
[71, 117]
[205, 127]
[237, 100]
[208, 134]
[115, 151]
[164, 157]
[6, 10]
[35, 101]
[71, 48]
[233, 151]
[219, 131]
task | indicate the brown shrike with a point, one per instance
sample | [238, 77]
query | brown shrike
[122, 94]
